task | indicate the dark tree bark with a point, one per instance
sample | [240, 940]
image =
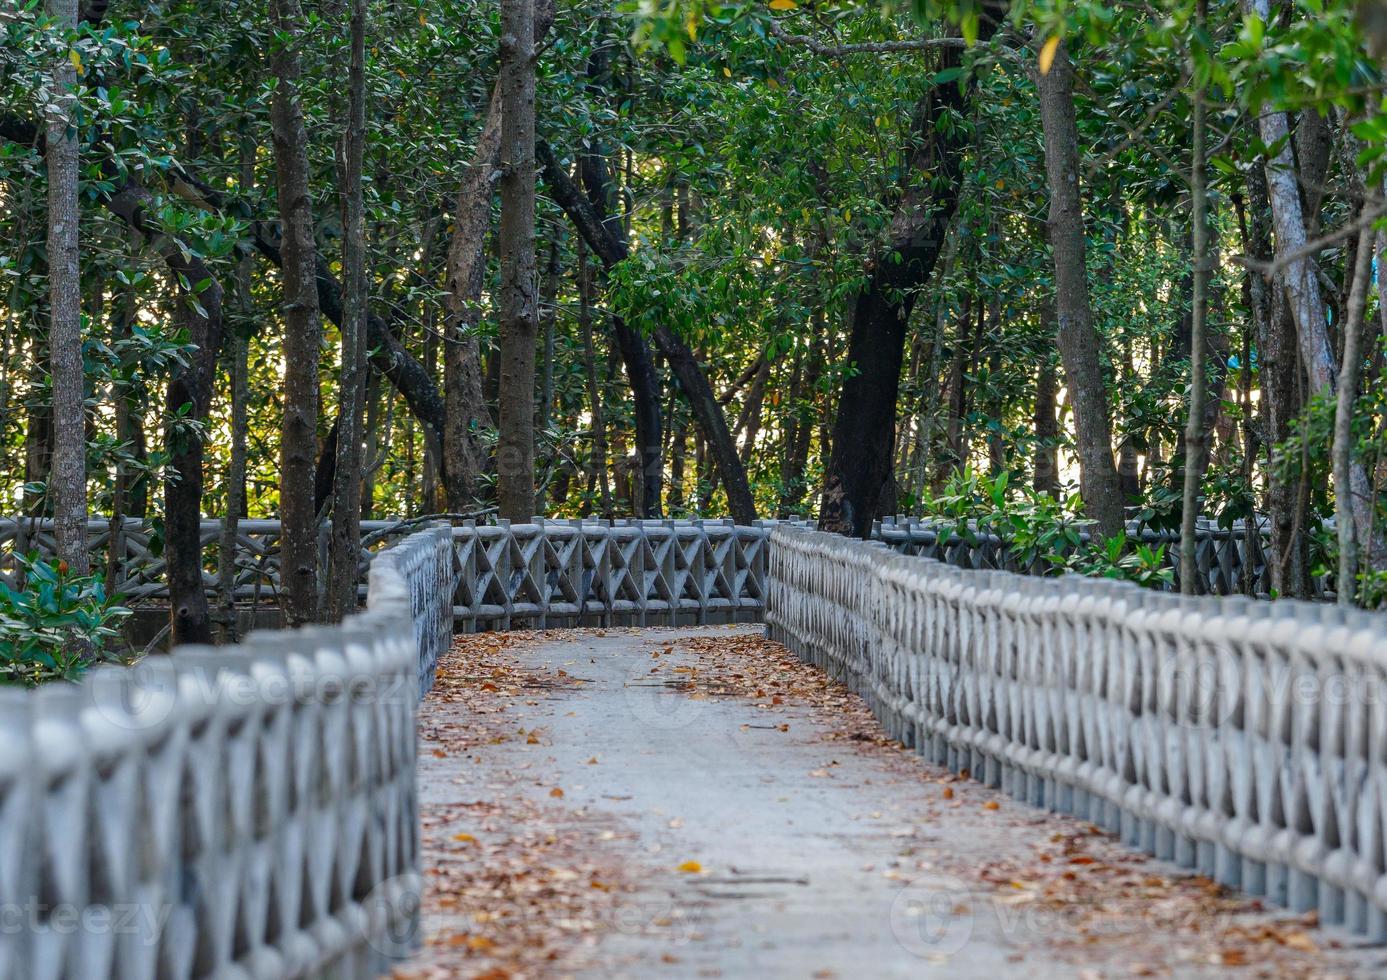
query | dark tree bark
[467, 411]
[519, 312]
[599, 421]
[1046, 476]
[240, 397]
[345, 549]
[1079, 343]
[607, 240]
[802, 405]
[67, 482]
[1196, 428]
[864, 429]
[597, 231]
[302, 328]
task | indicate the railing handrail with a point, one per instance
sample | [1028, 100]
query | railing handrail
[1237, 738]
[242, 810]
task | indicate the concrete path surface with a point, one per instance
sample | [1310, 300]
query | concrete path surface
[697, 803]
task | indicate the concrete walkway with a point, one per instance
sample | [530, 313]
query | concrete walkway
[698, 803]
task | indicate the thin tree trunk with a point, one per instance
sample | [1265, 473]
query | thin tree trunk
[467, 411]
[587, 211]
[797, 453]
[1079, 343]
[377, 443]
[518, 320]
[302, 327]
[599, 422]
[240, 398]
[1355, 532]
[1195, 433]
[750, 422]
[1279, 375]
[1046, 476]
[345, 550]
[68, 480]
[549, 316]
[679, 448]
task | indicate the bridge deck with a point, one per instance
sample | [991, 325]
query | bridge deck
[696, 802]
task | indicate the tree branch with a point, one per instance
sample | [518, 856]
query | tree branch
[868, 47]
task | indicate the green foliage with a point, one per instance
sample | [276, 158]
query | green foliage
[1040, 533]
[57, 626]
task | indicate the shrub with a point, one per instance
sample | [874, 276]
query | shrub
[58, 626]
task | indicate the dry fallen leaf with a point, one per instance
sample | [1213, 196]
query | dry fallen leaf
[556, 792]
[690, 867]
[992, 805]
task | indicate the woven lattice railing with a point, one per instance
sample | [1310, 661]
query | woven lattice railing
[603, 573]
[139, 563]
[1246, 740]
[1229, 560]
[596, 574]
[244, 811]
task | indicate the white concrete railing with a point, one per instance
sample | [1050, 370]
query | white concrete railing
[1247, 740]
[604, 573]
[227, 812]
[1227, 560]
[141, 572]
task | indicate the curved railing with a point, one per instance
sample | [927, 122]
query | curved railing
[1246, 740]
[245, 810]
[693, 570]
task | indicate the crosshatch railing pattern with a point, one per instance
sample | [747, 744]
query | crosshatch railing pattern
[503, 582]
[1230, 561]
[603, 573]
[140, 567]
[1244, 739]
[238, 811]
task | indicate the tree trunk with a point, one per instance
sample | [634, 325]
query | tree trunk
[1195, 429]
[792, 482]
[750, 422]
[67, 483]
[302, 328]
[1355, 532]
[864, 429]
[240, 397]
[519, 319]
[599, 422]
[1279, 374]
[345, 548]
[610, 249]
[467, 413]
[1046, 478]
[462, 358]
[1079, 343]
